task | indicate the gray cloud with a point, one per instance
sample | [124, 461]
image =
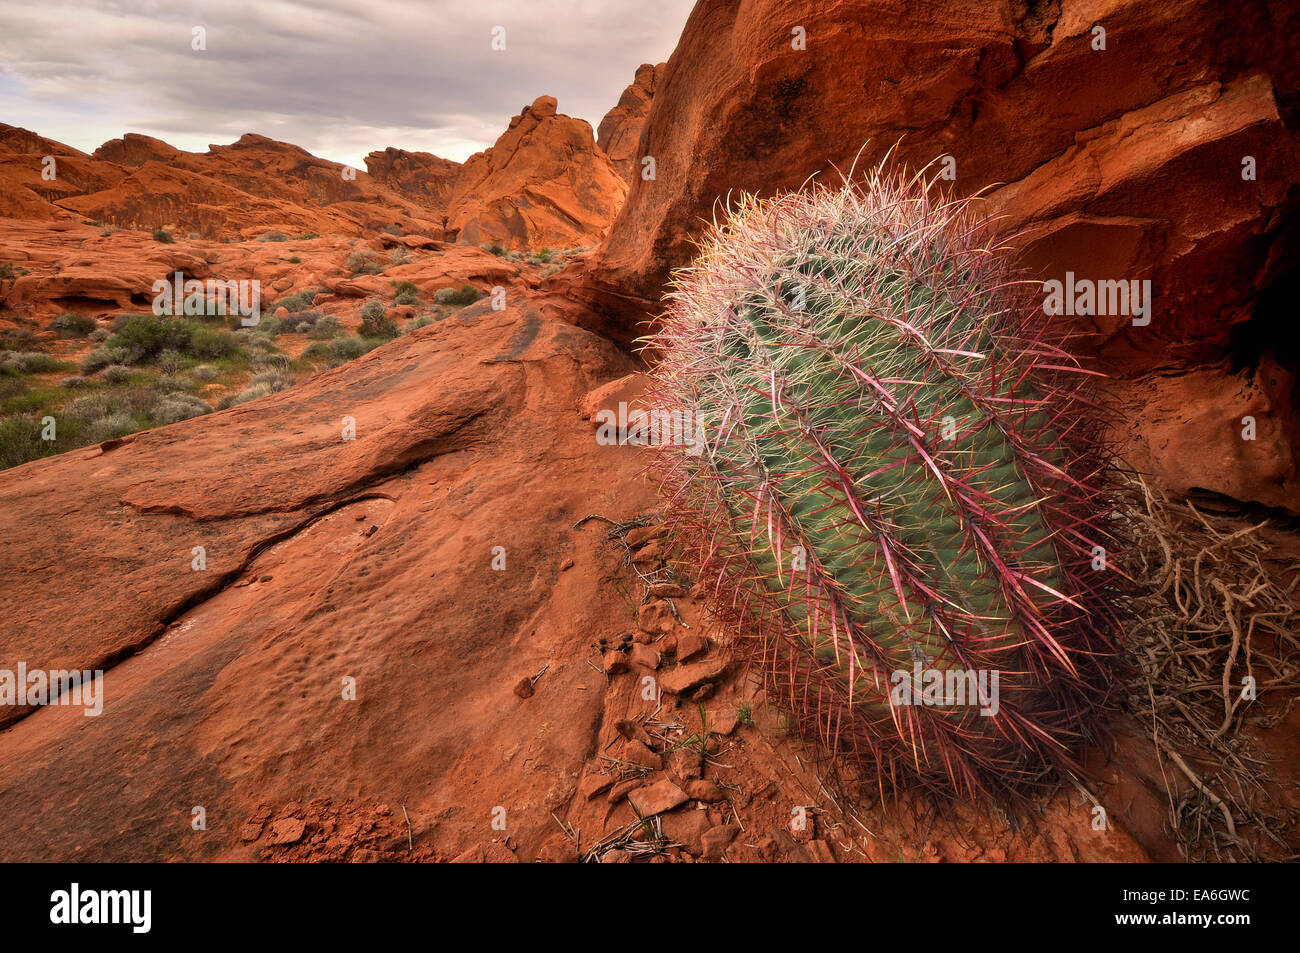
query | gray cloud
[337, 78]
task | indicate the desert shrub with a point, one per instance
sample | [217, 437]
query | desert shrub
[177, 407]
[87, 408]
[542, 256]
[208, 343]
[400, 255]
[347, 349]
[244, 396]
[375, 322]
[71, 325]
[281, 361]
[117, 374]
[277, 379]
[304, 321]
[149, 335]
[96, 360]
[270, 326]
[168, 385]
[422, 321]
[205, 373]
[162, 235]
[467, 294]
[405, 289]
[17, 339]
[295, 260]
[169, 362]
[9, 271]
[20, 438]
[364, 261]
[75, 383]
[114, 425]
[273, 237]
[394, 230]
[300, 300]
[495, 250]
[325, 327]
[28, 362]
[99, 335]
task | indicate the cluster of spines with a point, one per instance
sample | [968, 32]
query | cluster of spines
[826, 340]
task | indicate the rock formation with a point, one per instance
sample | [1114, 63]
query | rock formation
[544, 183]
[1098, 164]
[619, 133]
[456, 610]
[422, 177]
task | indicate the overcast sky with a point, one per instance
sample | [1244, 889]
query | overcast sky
[337, 77]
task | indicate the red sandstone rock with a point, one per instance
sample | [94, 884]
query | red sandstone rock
[419, 176]
[684, 678]
[619, 133]
[544, 183]
[656, 798]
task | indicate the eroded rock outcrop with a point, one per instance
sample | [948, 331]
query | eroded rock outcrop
[422, 177]
[619, 133]
[1165, 152]
[544, 183]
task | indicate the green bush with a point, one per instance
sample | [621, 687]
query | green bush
[177, 407]
[347, 349]
[17, 339]
[117, 424]
[467, 294]
[162, 235]
[149, 335]
[169, 385]
[325, 327]
[209, 343]
[364, 261]
[169, 362]
[117, 374]
[300, 300]
[70, 325]
[303, 321]
[28, 362]
[20, 439]
[96, 360]
[375, 322]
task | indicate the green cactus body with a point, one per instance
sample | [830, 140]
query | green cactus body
[900, 478]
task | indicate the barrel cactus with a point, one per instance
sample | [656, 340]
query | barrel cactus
[898, 506]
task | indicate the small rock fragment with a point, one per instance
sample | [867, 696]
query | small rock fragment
[717, 839]
[288, 830]
[657, 798]
[691, 645]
